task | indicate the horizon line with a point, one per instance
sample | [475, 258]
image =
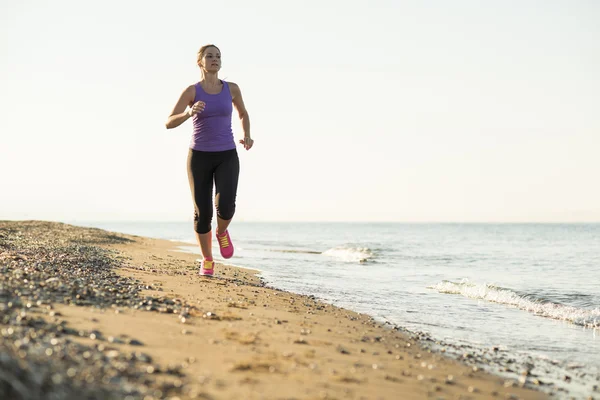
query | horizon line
[73, 221]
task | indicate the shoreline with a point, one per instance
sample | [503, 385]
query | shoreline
[232, 336]
[566, 381]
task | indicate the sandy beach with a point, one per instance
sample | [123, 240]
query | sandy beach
[149, 327]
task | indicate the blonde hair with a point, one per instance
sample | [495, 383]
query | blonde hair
[201, 54]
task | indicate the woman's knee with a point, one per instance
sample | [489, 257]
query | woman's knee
[202, 223]
[226, 211]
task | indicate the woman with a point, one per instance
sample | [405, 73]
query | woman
[212, 156]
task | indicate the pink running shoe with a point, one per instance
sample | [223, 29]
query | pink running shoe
[225, 244]
[207, 267]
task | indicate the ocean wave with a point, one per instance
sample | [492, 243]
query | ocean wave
[350, 254]
[541, 307]
[295, 251]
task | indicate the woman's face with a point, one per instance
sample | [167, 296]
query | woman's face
[211, 60]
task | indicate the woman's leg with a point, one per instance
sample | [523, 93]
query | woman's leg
[222, 224]
[200, 175]
[205, 242]
[226, 183]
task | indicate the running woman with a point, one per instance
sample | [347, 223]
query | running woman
[212, 156]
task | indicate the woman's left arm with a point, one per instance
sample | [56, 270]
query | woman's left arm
[238, 102]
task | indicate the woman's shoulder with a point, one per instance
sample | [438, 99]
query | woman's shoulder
[191, 88]
[190, 93]
[234, 89]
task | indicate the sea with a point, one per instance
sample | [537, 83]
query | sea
[525, 297]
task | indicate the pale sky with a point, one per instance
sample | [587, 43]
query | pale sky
[361, 110]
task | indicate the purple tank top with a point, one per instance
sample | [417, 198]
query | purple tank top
[212, 127]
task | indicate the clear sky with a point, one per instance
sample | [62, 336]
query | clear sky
[360, 110]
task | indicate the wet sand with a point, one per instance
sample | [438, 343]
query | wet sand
[180, 335]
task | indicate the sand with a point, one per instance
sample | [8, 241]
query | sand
[242, 340]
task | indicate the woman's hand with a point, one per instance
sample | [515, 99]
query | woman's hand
[247, 142]
[197, 108]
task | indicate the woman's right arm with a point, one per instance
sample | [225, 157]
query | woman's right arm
[179, 114]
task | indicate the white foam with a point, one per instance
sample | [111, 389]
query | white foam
[578, 316]
[350, 254]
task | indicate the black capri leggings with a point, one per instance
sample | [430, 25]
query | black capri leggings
[203, 167]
